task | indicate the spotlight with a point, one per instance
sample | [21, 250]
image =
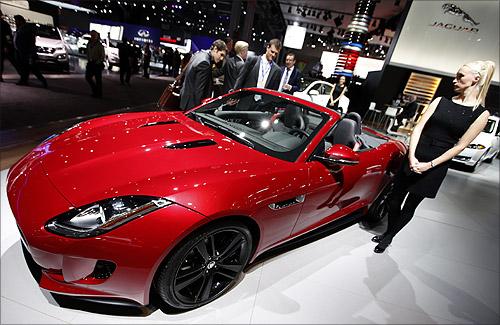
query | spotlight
[309, 12]
[290, 9]
[303, 12]
[318, 14]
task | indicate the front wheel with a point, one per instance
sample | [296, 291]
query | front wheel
[205, 266]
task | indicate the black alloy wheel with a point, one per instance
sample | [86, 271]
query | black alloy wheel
[206, 266]
[378, 210]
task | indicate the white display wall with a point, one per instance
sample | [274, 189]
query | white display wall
[440, 42]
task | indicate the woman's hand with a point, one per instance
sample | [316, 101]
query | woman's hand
[413, 162]
[420, 167]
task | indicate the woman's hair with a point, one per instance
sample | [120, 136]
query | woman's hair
[485, 69]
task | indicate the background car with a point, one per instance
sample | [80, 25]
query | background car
[50, 46]
[111, 52]
[82, 43]
[484, 147]
[177, 204]
[318, 92]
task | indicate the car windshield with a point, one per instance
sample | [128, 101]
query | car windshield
[270, 124]
[47, 31]
[490, 126]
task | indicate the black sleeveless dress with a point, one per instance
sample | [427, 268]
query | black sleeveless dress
[337, 90]
[442, 131]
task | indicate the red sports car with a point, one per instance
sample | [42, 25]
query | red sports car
[179, 203]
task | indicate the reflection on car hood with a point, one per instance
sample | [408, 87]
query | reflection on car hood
[49, 42]
[142, 153]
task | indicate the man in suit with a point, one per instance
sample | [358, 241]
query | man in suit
[197, 84]
[290, 75]
[234, 65]
[261, 71]
[24, 43]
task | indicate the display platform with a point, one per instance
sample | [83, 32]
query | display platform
[442, 268]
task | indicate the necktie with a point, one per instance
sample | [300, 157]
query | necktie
[285, 80]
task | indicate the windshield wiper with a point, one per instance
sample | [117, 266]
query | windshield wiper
[196, 117]
[227, 131]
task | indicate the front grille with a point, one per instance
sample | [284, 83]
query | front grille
[462, 158]
[47, 50]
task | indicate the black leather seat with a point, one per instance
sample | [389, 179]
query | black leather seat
[356, 118]
[344, 133]
[292, 118]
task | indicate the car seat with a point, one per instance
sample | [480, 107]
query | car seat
[344, 133]
[356, 118]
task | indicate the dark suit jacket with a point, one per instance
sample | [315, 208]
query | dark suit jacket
[197, 83]
[250, 74]
[234, 65]
[293, 80]
[24, 40]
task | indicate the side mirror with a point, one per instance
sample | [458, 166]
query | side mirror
[313, 92]
[339, 154]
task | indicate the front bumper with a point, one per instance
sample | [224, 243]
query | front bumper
[469, 157]
[118, 264]
[57, 58]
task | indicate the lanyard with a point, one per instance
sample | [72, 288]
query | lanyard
[264, 73]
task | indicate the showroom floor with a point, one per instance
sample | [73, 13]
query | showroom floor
[443, 268]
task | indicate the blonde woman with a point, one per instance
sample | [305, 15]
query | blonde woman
[446, 128]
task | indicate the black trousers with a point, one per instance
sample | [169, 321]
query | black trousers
[9, 55]
[94, 71]
[27, 64]
[400, 216]
[125, 72]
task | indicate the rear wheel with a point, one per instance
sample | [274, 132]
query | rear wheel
[205, 266]
[378, 210]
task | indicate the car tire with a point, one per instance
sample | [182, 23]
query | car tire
[205, 266]
[490, 160]
[65, 68]
[378, 209]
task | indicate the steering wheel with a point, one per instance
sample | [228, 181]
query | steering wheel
[298, 133]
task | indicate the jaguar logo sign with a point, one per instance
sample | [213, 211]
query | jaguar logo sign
[452, 9]
[449, 8]
[143, 33]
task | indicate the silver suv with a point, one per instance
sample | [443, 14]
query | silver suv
[50, 46]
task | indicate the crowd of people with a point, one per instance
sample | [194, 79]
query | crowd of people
[232, 64]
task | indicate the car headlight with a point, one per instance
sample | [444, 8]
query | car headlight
[102, 216]
[476, 146]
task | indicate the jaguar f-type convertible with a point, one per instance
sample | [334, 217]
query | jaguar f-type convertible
[179, 203]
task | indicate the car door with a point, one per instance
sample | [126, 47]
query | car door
[333, 193]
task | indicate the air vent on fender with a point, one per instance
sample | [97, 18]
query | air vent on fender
[159, 123]
[191, 144]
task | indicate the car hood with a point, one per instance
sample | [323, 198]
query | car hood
[48, 42]
[484, 138]
[159, 154]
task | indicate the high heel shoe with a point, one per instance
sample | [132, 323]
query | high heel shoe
[380, 248]
[377, 239]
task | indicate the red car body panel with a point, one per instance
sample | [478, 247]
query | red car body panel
[125, 154]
